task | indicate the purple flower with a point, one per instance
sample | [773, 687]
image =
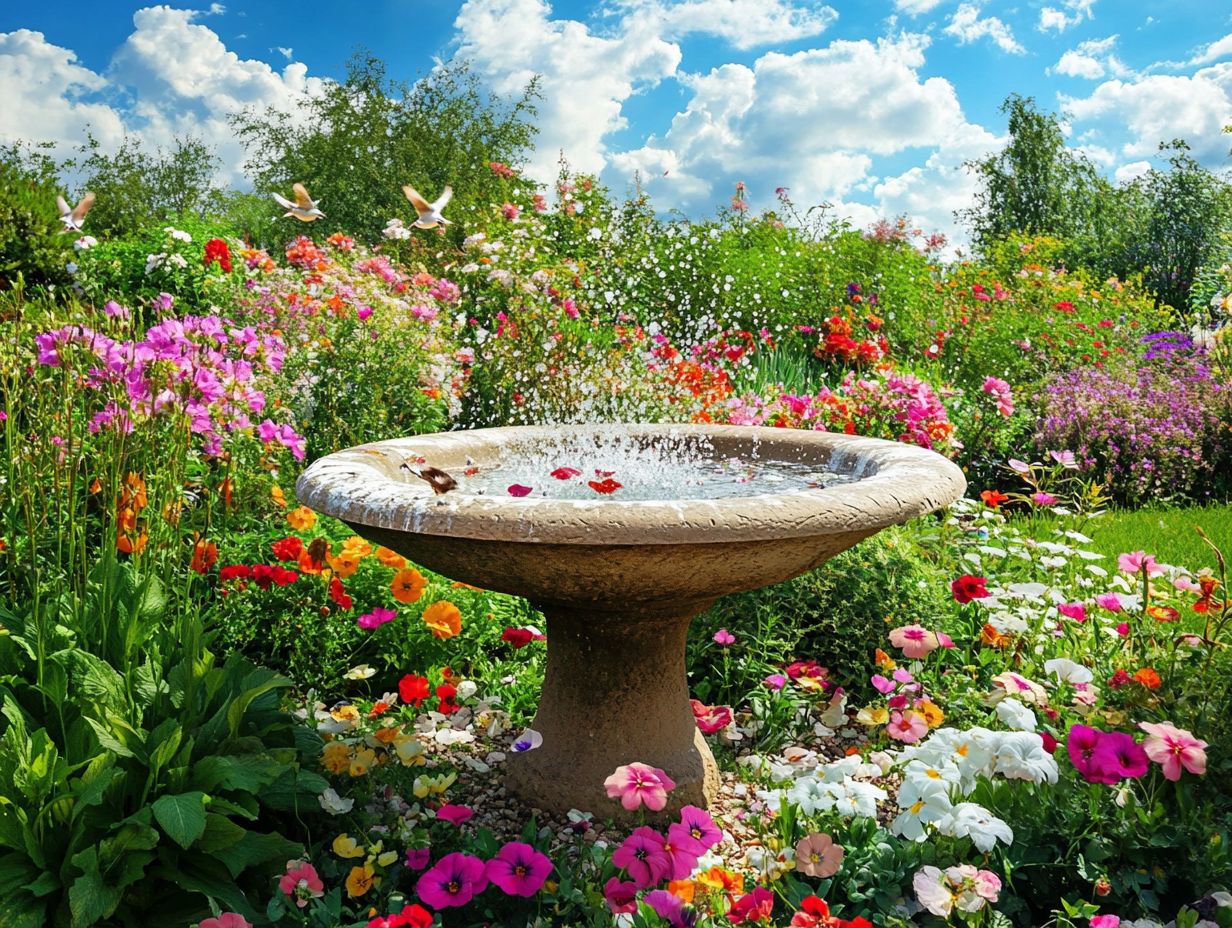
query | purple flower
[776, 681]
[642, 857]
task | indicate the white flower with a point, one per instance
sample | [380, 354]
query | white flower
[1020, 755]
[178, 260]
[945, 774]
[596, 233]
[177, 234]
[1015, 715]
[453, 736]
[154, 261]
[334, 804]
[1067, 671]
[932, 893]
[86, 241]
[919, 808]
[396, 231]
[359, 672]
[971, 820]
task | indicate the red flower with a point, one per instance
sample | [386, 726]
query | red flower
[216, 250]
[710, 719]
[266, 575]
[752, 907]
[1148, 678]
[413, 916]
[1050, 743]
[1118, 679]
[968, 587]
[339, 594]
[518, 637]
[445, 693]
[205, 553]
[605, 486]
[288, 549]
[564, 473]
[234, 572]
[413, 690]
[993, 499]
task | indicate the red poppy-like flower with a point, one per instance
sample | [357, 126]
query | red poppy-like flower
[565, 473]
[288, 549]
[205, 553]
[518, 637]
[993, 498]
[969, 587]
[413, 690]
[339, 595]
[216, 250]
[445, 693]
[234, 572]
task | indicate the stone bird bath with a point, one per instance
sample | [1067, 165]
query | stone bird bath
[620, 575]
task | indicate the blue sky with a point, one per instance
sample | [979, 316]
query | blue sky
[870, 106]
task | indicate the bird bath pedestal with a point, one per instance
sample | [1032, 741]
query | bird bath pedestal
[619, 578]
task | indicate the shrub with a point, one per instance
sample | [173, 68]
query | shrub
[837, 615]
[1156, 431]
[30, 241]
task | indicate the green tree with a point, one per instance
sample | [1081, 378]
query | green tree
[356, 144]
[1035, 185]
[30, 241]
[136, 187]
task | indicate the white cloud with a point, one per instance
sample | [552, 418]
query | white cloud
[50, 96]
[967, 26]
[1220, 48]
[744, 24]
[915, 7]
[1092, 60]
[287, 53]
[216, 9]
[1158, 108]
[1128, 172]
[1074, 12]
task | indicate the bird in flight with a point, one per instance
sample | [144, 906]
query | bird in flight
[74, 218]
[429, 213]
[304, 208]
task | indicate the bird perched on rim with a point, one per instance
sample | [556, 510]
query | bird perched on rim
[429, 213]
[74, 218]
[440, 481]
[304, 208]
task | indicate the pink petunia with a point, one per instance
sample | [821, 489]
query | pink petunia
[226, 920]
[642, 857]
[1174, 748]
[1109, 601]
[723, 638]
[518, 869]
[637, 784]
[1076, 611]
[455, 880]
[301, 882]
[907, 727]
[1134, 562]
[454, 815]
[620, 895]
[914, 640]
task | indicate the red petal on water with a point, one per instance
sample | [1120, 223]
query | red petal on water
[603, 473]
[516, 489]
[471, 471]
[604, 486]
[564, 473]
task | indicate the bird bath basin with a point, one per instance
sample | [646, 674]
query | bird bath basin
[701, 511]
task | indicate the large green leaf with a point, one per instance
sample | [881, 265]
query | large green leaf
[91, 898]
[247, 772]
[181, 817]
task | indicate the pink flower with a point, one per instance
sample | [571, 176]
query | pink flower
[518, 869]
[570, 308]
[1174, 748]
[635, 784]
[723, 638]
[752, 907]
[907, 727]
[226, 920]
[1075, 611]
[711, 719]
[517, 489]
[1134, 562]
[621, 895]
[642, 857]
[1109, 601]
[776, 681]
[1104, 757]
[1122, 629]
[1041, 498]
[301, 882]
[376, 618]
[881, 684]
[417, 857]
[1000, 391]
[682, 851]
[510, 211]
[455, 880]
[454, 815]
[699, 825]
[915, 640]
[667, 906]
[1105, 921]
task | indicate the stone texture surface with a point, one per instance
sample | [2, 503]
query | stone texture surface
[619, 581]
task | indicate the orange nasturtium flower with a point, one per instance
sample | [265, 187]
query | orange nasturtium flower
[444, 618]
[408, 585]
[390, 558]
[278, 496]
[356, 547]
[1148, 678]
[344, 564]
[302, 519]
[205, 553]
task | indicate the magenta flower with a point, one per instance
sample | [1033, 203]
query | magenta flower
[454, 815]
[669, 907]
[1134, 562]
[1083, 745]
[518, 489]
[882, 684]
[518, 869]
[724, 638]
[1109, 601]
[776, 681]
[376, 618]
[1040, 498]
[700, 826]
[752, 907]
[642, 857]
[1122, 629]
[1105, 921]
[682, 851]
[1122, 753]
[621, 895]
[635, 784]
[1076, 611]
[455, 880]
[1174, 748]
[417, 857]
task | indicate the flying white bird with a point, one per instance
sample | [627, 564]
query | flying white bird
[429, 213]
[75, 217]
[304, 208]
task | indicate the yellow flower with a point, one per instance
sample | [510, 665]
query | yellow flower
[336, 757]
[360, 880]
[356, 547]
[363, 759]
[443, 618]
[873, 715]
[408, 585]
[931, 711]
[347, 847]
[278, 497]
[433, 786]
[384, 860]
[410, 751]
[302, 519]
[390, 558]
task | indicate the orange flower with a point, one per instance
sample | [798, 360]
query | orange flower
[1162, 613]
[459, 585]
[993, 638]
[408, 585]
[390, 558]
[1148, 678]
[443, 618]
[360, 880]
[130, 545]
[205, 553]
[931, 711]
[356, 547]
[992, 498]
[726, 880]
[683, 889]
[278, 496]
[226, 488]
[312, 559]
[133, 492]
[883, 660]
[344, 564]
[302, 519]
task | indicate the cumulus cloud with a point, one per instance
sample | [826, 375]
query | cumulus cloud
[743, 24]
[967, 26]
[1071, 14]
[1092, 60]
[1158, 108]
[915, 7]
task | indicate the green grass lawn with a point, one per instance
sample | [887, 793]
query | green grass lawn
[1167, 533]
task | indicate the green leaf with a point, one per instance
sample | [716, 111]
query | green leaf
[90, 898]
[181, 817]
[220, 834]
[107, 740]
[256, 848]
